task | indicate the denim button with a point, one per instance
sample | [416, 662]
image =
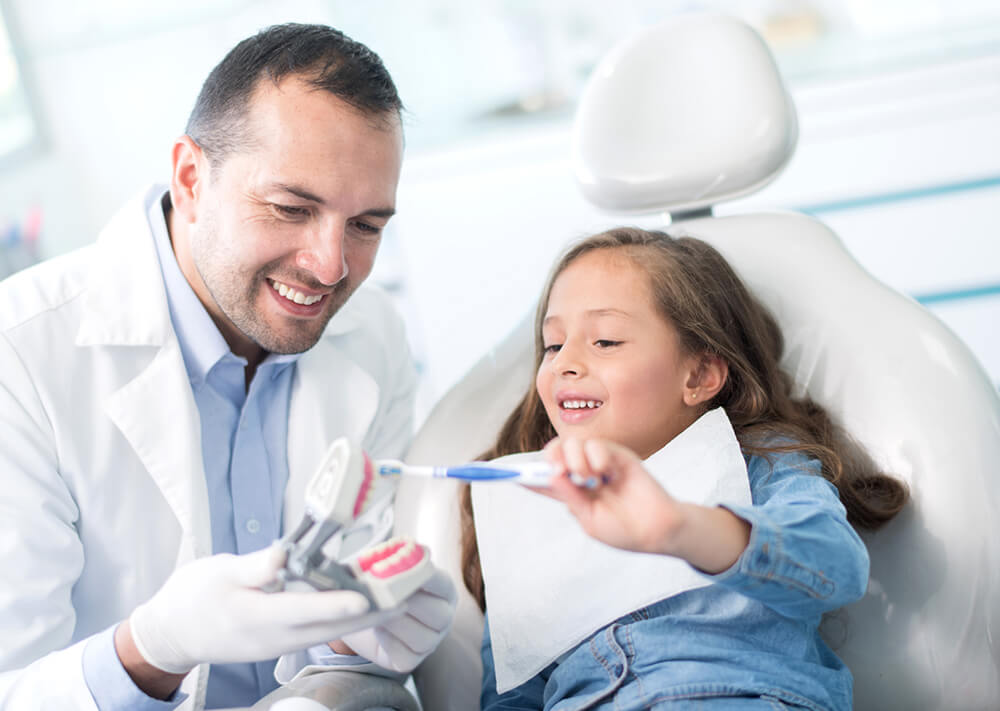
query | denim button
[253, 525]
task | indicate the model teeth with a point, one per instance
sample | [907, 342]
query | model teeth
[294, 295]
[582, 404]
[383, 565]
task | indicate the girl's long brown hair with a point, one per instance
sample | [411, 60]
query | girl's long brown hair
[697, 291]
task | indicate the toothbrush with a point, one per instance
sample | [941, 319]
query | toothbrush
[529, 473]
[535, 473]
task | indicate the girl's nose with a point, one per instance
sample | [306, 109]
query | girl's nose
[568, 362]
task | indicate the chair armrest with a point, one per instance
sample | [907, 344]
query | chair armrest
[340, 690]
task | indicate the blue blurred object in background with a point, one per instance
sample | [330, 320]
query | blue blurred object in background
[19, 243]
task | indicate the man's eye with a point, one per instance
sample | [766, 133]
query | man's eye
[606, 343]
[370, 229]
[292, 210]
[366, 231]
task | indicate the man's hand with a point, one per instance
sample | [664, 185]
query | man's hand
[213, 611]
[401, 643]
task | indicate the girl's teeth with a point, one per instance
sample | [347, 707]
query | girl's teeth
[582, 404]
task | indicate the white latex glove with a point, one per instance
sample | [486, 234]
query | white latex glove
[401, 643]
[212, 611]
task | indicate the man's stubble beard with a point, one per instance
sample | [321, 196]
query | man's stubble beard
[239, 306]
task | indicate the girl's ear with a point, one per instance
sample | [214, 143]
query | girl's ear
[708, 375]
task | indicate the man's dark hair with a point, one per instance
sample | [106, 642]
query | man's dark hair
[321, 56]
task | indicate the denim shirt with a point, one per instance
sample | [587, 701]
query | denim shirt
[754, 632]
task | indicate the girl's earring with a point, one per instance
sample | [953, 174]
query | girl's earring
[694, 397]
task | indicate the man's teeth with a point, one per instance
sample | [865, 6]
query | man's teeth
[581, 404]
[292, 295]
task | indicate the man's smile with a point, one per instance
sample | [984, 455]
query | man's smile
[293, 294]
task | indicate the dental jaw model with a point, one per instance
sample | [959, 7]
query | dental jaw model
[337, 494]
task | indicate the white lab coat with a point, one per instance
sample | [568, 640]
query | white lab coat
[102, 490]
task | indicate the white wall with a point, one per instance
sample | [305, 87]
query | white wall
[482, 217]
[904, 166]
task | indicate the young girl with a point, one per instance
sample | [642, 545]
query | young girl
[639, 334]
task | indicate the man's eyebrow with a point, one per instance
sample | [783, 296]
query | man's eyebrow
[385, 212]
[300, 192]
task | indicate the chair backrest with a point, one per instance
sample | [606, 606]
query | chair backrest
[923, 637]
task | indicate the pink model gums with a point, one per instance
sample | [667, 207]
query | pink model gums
[393, 570]
[365, 486]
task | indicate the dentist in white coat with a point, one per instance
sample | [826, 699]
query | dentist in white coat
[166, 392]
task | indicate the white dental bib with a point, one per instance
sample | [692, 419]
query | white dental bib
[549, 585]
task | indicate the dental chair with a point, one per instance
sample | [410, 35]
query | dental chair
[676, 120]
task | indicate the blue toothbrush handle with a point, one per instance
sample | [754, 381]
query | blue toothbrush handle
[480, 473]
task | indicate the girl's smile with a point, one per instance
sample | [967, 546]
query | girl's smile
[576, 407]
[613, 366]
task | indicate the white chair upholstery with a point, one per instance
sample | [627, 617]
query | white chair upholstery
[339, 690]
[924, 635]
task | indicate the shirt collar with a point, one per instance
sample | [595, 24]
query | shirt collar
[202, 345]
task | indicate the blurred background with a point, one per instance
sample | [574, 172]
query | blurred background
[899, 149]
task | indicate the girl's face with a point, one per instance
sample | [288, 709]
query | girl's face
[612, 367]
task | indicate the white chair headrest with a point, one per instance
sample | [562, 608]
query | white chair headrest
[684, 115]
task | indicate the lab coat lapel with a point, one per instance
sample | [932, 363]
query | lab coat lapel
[157, 414]
[332, 396]
[155, 411]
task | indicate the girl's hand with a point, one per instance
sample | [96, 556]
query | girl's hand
[622, 504]
[627, 508]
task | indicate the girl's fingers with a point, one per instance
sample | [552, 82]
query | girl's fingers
[609, 460]
[589, 463]
[600, 457]
[553, 452]
[576, 459]
[576, 498]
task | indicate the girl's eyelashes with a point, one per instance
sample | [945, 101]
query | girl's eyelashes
[600, 343]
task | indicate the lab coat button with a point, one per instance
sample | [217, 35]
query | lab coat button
[253, 525]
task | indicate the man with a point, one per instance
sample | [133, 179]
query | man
[166, 393]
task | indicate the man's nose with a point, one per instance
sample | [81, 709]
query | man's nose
[324, 256]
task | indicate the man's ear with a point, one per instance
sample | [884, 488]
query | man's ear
[707, 377]
[190, 172]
